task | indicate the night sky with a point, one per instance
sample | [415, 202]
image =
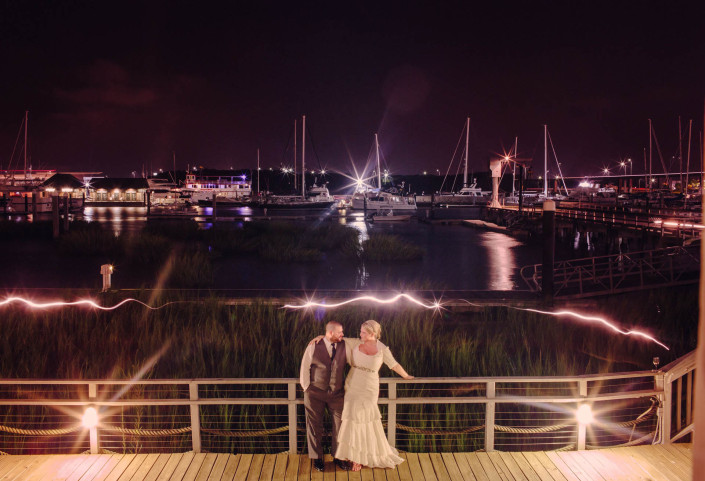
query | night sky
[115, 86]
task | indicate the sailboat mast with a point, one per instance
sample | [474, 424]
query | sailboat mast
[545, 160]
[258, 172]
[651, 136]
[467, 144]
[379, 171]
[680, 151]
[687, 165]
[303, 157]
[26, 120]
[514, 164]
[295, 147]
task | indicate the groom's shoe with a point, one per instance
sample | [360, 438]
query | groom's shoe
[344, 465]
[318, 464]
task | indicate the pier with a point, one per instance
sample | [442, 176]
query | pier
[673, 463]
[501, 428]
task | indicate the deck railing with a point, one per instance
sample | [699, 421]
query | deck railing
[430, 414]
[677, 225]
[619, 272]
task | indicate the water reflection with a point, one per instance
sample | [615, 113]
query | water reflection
[501, 261]
[120, 219]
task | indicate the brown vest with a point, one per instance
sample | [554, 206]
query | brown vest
[326, 373]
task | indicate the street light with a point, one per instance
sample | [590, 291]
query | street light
[584, 414]
[631, 166]
[624, 166]
[606, 171]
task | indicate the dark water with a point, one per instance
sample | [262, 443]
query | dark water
[457, 258]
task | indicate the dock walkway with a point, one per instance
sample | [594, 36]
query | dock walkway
[657, 462]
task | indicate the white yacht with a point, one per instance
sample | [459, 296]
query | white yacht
[383, 201]
[378, 200]
[234, 189]
[317, 197]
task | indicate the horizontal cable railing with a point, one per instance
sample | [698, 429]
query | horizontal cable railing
[424, 414]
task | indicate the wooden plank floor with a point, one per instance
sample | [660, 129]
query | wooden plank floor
[673, 463]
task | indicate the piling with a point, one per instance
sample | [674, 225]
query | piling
[549, 248]
[55, 215]
[215, 206]
[67, 206]
[34, 205]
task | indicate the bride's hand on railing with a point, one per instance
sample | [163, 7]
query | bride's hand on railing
[408, 377]
[316, 340]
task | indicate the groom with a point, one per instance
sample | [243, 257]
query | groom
[322, 369]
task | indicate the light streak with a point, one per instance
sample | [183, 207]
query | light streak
[81, 302]
[599, 320]
[391, 300]
[437, 305]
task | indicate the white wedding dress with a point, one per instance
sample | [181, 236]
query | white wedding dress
[361, 438]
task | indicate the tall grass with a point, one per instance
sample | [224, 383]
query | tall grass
[389, 248]
[210, 339]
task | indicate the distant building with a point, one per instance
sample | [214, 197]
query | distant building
[117, 191]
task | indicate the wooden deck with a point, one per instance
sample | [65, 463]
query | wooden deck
[659, 462]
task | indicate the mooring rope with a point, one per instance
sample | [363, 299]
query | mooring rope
[100, 451]
[40, 432]
[246, 434]
[451, 432]
[633, 442]
[148, 432]
[646, 415]
[545, 429]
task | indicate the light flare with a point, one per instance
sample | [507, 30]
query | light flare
[80, 302]
[391, 300]
[437, 305]
[599, 320]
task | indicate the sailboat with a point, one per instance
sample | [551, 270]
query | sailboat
[470, 193]
[27, 190]
[317, 197]
[378, 200]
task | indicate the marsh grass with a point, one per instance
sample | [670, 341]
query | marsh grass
[389, 248]
[11, 230]
[90, 239]
[283, 241]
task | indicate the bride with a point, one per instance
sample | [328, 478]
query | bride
[361, 437]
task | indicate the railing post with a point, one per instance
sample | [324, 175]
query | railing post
[582, 428]
[392, 414]
[93, 432]
[679, 402]
[666, 408]
[195, 418]
[689, 398]
[489, 416]
[293, 449]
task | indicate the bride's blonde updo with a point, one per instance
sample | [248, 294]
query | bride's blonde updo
[373, 328]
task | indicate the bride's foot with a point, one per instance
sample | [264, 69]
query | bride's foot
[356, 466]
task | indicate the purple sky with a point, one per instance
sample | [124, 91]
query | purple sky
[113, 86]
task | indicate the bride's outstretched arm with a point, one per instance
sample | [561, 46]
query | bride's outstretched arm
[400, 370]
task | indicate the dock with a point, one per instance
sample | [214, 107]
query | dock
[659, 462]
